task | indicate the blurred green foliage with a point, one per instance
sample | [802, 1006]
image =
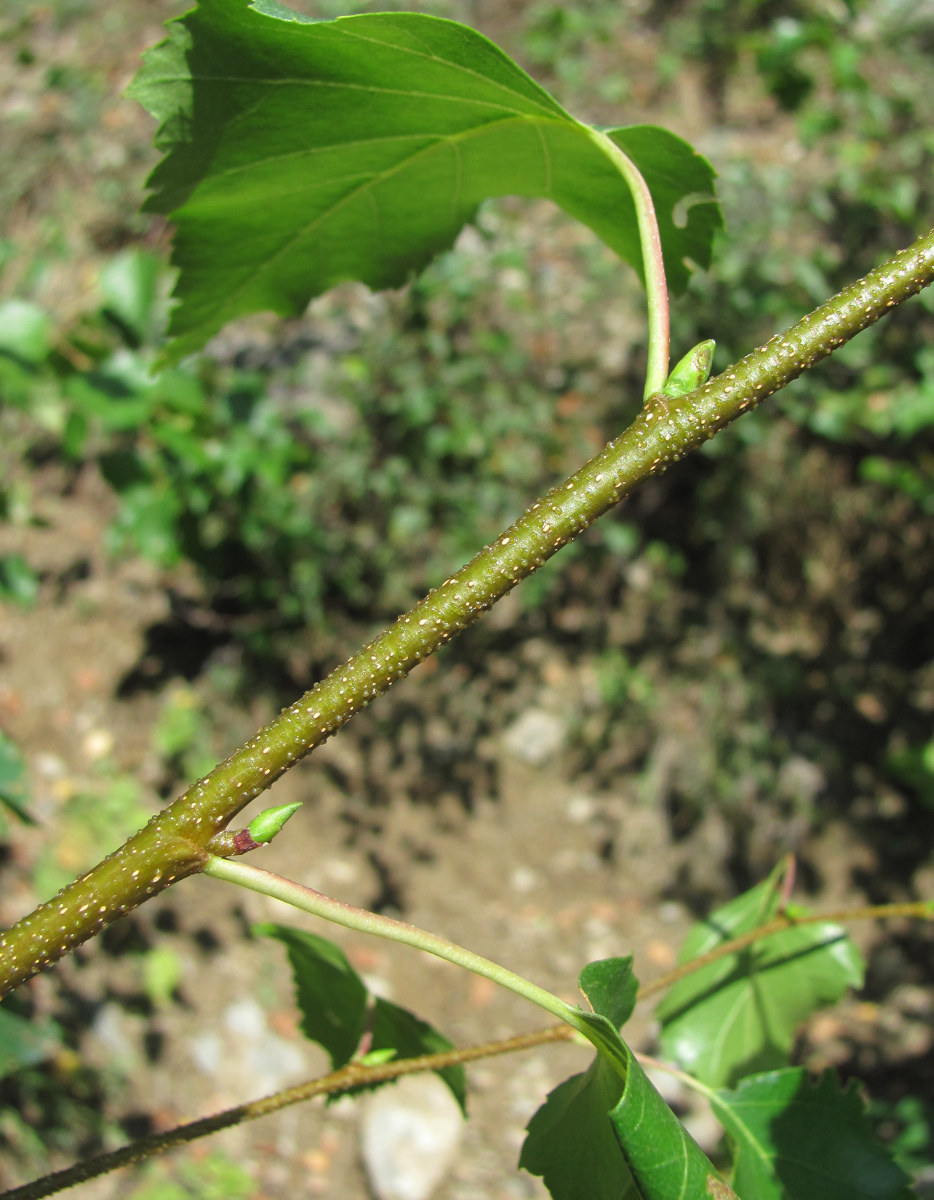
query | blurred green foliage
[23, 1043]
[907, 1125]
[19, 583]
[14, 782]
[215, 1176]
[96, 816]
[914, 766]
[349, 477]
[857, 80]
[564, 39]
[182, 735]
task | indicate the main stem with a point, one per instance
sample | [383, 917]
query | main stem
[176, 842]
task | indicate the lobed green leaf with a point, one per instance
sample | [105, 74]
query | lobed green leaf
[337, 1009]
[739, 1015]
[302, 153]
[809, 1141]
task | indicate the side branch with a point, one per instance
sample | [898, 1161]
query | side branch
[176, 841]
[354, 1075]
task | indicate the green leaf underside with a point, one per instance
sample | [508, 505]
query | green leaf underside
[571, 1143]
[337, 1009]
[611, 988]
[331, 995]
[739, 1014]
[608, 1135]
[397, 1028]
[807, 1141]
[300, 154]
[662, 1156]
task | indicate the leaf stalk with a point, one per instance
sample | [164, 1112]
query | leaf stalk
[653, 263]
[364, 921]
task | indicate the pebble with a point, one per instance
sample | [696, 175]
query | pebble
[410, 1132]
[580, 808]
[97, 744]
[242, 1052]
[535, 736]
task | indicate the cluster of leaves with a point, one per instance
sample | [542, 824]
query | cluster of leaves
[727, 1028]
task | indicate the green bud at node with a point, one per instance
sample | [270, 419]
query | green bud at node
[264, 827]
[692, 371]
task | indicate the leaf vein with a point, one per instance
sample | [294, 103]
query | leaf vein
[371, 182]
[289, 81]
[468, 71]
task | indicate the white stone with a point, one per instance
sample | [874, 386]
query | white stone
[523, 880]
[580, 808]
[409, 1132]
[535, 736]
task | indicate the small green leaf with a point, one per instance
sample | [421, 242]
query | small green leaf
[398, 1029]
[303, 153]
[611, 988]
[128, 285]
[376, 1058]
[740, 1014]
[570, 1142]
[19, 583]
[331, 995]
[25, 331]
[162, 971]
[808, 1141]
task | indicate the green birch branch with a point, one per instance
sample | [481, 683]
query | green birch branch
[178, 841]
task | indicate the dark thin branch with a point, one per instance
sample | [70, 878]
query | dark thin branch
[354, 1075]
